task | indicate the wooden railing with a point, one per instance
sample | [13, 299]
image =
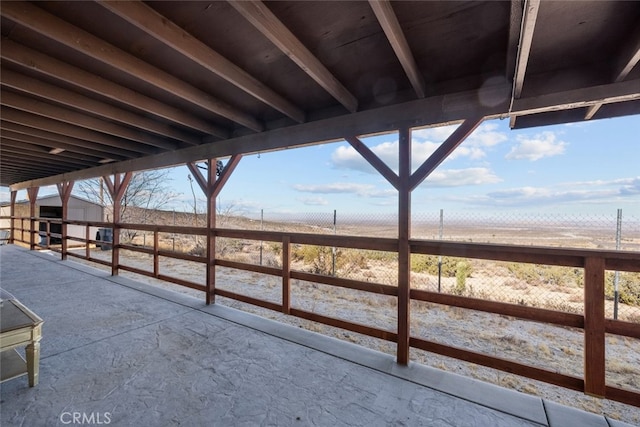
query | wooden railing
[592, 321]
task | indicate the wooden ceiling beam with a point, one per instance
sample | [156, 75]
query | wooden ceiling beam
[126, 138]
[527, 28]
[515, 24]
[626, 61]
[261, 17]
[530, 15]
[29, 153]
[23, 162]
[393, 30]
[42, 64]
[39, 137]
[51, 93]
[577, 98]
[80, 136]
[159, 27]
[12, 141]
[46, 24]
[431, 111]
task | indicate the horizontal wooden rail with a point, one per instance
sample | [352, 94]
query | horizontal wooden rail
[343, 324]
[96, 260]
[371, 243]
[249, 267]
[249, 300]
[619, 327]
[375, 288]
[566, 257]
[594, 262]
[505, 365]
[529, 313]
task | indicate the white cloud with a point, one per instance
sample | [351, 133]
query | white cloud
[537, 147]
[424, 143]
[361, 190]
[601, 191]
[335, 188]
[313, 201]
[460, 177]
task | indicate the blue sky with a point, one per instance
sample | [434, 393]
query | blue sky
[590, 167]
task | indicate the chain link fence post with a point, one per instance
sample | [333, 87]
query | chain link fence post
[333, 250]
[440, 257]
[616, 277]
[261, 229]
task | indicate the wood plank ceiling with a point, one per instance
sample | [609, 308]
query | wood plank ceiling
[90, 88]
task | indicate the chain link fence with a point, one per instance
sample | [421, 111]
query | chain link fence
[545, 286]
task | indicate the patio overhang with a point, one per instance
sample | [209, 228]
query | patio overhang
[160, 83]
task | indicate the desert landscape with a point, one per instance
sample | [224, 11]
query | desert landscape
[559, 288]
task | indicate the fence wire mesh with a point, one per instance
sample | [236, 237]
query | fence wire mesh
[552, 287]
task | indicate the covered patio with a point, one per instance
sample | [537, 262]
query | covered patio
[127, 353]
[202, 84]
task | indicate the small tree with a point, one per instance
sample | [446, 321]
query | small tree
[147, 192]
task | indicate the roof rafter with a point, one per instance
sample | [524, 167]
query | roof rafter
[127, 138]
[530, 15]
[527, 28]
[40, 137]
[87, 138]
[37, 62]
[436, 110]
[515, 25]
[30, 86]
[389, 23]
[15, 139]
[627, 60]
[577, 98]
[75, 38]
[156, 25]
[261, 17]
[29, 152]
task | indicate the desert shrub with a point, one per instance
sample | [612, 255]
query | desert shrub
[628, 287]
[463, 270]
[275, 247]
[429, 264]
[198, 250]
[536, 274]
[320, 258]
[351, 261]
[225, 247]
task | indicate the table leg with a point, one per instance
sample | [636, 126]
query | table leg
[33, 363]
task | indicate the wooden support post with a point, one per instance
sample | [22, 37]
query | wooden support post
[64, 190]
[32, 193]
[12, 213]
[404, 229]
[116, 189]
[211, 227]
[156, 263]
[48, 234]
[115, 233]
[594, 335]
[87, 236]
[211, 186]
[286, 275]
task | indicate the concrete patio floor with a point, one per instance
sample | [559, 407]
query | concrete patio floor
[122, 353]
